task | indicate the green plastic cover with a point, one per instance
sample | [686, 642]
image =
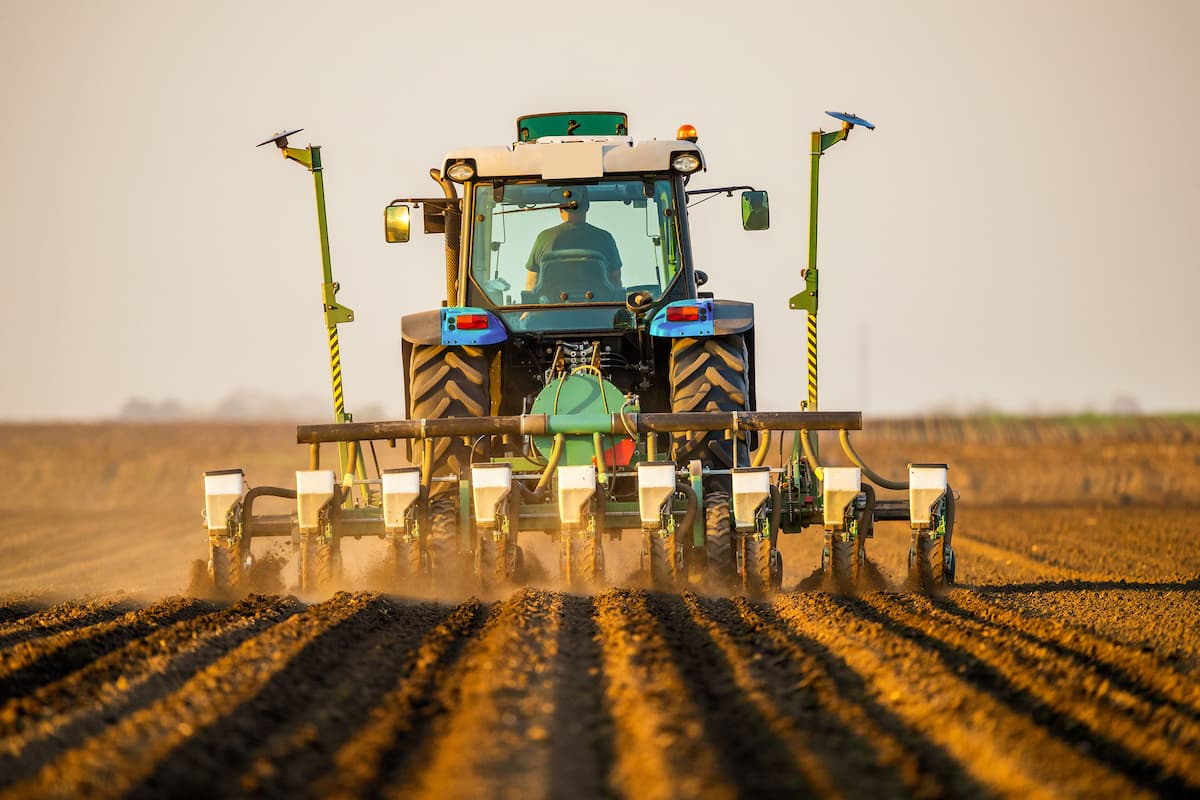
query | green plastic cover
[576, 123]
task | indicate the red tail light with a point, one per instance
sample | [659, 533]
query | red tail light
[683, 313]
[471, 322]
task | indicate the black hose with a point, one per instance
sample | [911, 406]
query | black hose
[950, 503]
[776, 515]
[601, 508]
[692, 509]
[869, 509]
[532, 495]
[264, 491]
[514, 503]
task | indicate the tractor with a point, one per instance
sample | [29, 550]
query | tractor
[578, 382]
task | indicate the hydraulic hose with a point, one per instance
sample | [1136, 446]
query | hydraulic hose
[692, 509]
[870, 473]
[760, 455]
[514, 504]
[426, 465]
[776, 514]
[263, 491]
[812, 459]
[869, 509]
[551, 464]
[950, 503]
[601, 474]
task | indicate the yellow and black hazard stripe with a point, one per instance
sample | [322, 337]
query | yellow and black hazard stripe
[812, 362]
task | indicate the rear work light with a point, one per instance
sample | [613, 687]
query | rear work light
[683, 313]
[471, 322]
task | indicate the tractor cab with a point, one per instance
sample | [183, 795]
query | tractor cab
[576, 226]
[547, 254]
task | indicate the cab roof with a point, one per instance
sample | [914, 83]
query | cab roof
[567, 157]
[573, 144]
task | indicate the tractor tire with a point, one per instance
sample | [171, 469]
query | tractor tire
[582, 562]
[320, 563]
[710, 375]
[845, 563]
[663, 567]
[441, 543]
[448, 382]
[718, 541]
[757, 576]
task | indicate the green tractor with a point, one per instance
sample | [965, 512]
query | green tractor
[578, 383]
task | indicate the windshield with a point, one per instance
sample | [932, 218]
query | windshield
[569, 244]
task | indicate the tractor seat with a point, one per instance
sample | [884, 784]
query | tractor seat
[574, 276]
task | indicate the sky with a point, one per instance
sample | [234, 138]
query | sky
[1019, 234]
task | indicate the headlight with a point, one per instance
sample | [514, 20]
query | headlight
[461, 171]
[686, 163]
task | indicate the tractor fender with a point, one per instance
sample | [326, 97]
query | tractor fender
[702, 318]
[424, 327]
[453, 326]
[732, 316]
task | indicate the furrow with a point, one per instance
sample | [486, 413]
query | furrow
[40, 623]
[499, 704]
[37, 728]
[1146, 741]
[115, 761]
[33, 664]
[394, 727]
[662, 748]
[341, 681]
[1129, 666]
[1015, 562]
[820, 708]
[741, 687]
[16, 607]
[998, 745]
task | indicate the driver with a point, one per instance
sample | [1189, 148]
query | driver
[574, 234]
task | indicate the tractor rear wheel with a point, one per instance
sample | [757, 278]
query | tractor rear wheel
[709, 375]
[718, 540]
[448, 382]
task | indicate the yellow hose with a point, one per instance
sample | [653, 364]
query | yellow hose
[812, 459]
[601, 475]
[872, 475]
[551, 462]
[760, 455]
[426, 464]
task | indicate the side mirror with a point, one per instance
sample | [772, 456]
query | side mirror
[396, 223]
[756, 216]
[701, 277]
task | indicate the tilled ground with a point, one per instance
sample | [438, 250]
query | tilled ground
[1064, 664]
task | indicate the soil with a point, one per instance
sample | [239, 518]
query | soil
[1064, 663]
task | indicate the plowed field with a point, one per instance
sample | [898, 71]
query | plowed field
[1063, 664]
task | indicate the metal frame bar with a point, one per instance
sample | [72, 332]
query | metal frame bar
[581, 424]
